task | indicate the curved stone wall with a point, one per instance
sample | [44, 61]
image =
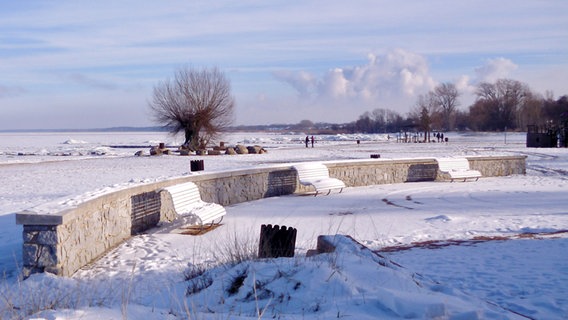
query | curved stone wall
[63, 242]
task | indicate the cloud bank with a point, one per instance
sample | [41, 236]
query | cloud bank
[495, 69]
[396, 73]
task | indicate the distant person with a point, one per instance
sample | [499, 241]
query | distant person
[307, 141]
[312, 141]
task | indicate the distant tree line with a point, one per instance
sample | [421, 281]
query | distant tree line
[504, 105]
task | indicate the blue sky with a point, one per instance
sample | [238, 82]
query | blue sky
[92, 64]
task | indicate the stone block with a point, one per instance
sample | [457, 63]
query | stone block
[241, 149]
[30, 253]
[155, 151]
[213, 152]
[324, 246]
[254, 149]
[29, 236]
[47, 256]
[47, 238]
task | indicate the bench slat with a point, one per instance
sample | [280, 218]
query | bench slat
[187, 201]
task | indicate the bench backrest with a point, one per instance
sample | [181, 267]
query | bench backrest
[453, 164]
[310, 171]
[184, 196]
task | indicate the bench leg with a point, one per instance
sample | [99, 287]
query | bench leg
[202, 226]
[216, 223]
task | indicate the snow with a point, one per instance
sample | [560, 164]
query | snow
[442, 268]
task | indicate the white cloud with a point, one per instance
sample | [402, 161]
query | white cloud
[495, 69]
[334, 85]
[463, 84]
[303, 82]
[394, 74]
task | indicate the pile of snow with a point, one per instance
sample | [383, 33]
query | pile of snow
[73, 141]
[351, 282]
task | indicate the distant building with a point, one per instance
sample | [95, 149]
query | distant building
[547, 137]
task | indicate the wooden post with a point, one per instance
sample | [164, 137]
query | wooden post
[276, 241]
[197, 165]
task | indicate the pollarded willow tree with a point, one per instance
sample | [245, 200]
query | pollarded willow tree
[195, 101]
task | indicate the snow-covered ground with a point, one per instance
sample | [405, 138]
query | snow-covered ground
[524, 277]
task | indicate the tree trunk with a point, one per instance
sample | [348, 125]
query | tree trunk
[189, 138]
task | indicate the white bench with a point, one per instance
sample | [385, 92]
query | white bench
[317, 175]
[188, 204]
[457, 168]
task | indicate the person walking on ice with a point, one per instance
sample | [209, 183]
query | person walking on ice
[307, 140]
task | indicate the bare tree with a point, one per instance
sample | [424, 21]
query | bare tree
[195, 101]
[364, 123]
[305, 124]
[447, 98]
[531, 111]
[425, 111]
[503, 99]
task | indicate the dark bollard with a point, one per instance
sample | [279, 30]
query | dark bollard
[276, 242]
[197, 165]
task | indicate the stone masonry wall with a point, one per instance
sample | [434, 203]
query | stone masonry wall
[380, 171]
[498, 166]
[63, 242]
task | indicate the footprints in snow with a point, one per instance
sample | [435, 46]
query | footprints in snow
[142, 253]
[440, 218]
[408, 198]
